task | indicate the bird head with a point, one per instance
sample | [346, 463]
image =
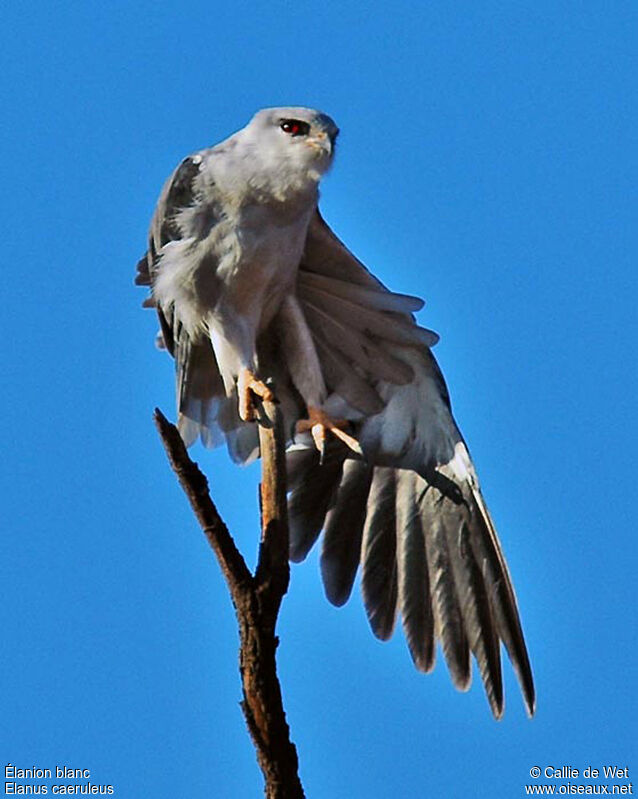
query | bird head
[293, 139]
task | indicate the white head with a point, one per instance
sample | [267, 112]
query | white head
[291, 142]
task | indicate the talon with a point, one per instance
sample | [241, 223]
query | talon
[318, 432]
[249, 388]
[319, 423]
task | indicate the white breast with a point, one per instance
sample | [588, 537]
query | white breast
[260, 264]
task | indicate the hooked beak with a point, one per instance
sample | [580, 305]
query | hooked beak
[323, 143]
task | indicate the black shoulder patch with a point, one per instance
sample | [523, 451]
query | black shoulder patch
[180, 195]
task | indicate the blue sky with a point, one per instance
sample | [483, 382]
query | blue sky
[487, 162]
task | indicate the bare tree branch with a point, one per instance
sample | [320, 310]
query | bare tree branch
[256, 599]
[273, 570]
[195, 486]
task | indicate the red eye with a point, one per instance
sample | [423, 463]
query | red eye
[294, 127]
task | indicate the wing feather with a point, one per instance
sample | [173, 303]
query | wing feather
[313, 486]
[378, 554]
[445, 605]
[341, 375]
[378, 298]
[343, 532]
[414, 587]
[355, 346]
[502, 599]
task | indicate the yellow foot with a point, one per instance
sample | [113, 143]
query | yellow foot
[249, 387]
[319, 424]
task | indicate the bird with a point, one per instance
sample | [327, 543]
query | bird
[258, 299]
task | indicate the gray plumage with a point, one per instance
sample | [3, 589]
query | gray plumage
[251, 284]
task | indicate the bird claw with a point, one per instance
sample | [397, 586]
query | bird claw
[320, 424]
[250, 390]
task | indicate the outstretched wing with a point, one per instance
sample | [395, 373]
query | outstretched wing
[412, 514]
